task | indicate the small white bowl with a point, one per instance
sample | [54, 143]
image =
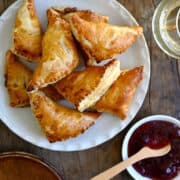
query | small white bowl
[130, 169]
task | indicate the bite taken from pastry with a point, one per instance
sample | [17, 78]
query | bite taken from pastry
[84, 88]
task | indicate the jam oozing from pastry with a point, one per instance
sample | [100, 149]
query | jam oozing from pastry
[157, 134]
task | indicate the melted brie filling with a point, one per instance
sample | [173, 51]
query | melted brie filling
[111, 74]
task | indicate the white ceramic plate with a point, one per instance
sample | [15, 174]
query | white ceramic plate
[22, 122]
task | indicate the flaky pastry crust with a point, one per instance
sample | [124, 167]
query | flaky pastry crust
[27, 33]
[88, 15]
[59, 54]
[118, 98]
[84, 88]
[17, 77]
[58, 122]
[102, 41]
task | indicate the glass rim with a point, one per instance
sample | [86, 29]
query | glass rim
[177, 22]
[156, 31]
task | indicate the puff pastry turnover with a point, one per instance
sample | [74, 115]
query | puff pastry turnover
[119, 96]
[59, 53]
[84, 88]
[102, 41]
[27, 33]
[17, 76]
[57, 122]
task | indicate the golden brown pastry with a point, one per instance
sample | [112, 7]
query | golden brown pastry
[57, 122]
[84, 88]
[87, 15]
[102, 41]
[59, 53]
[17, 76]
[27, 33]
[119, 96]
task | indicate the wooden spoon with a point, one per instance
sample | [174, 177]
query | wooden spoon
[144, 153]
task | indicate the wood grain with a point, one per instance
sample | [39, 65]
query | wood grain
[163, 97]
[1, 6]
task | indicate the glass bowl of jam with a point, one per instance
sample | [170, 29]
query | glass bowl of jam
[154, 131]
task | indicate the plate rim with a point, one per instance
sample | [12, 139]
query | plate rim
[104, 139]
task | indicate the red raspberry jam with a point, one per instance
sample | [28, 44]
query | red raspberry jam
[157, 134]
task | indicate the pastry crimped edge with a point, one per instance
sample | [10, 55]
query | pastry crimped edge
[52, 134]
[126, 98]
[90, 52]
[89, 15]
[38, 82]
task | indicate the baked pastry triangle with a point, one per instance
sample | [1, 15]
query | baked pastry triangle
[84, 88]
[57, 122]
[27, 33]
[16, 78]
[59, 54]
[103, 41]
[119, 96]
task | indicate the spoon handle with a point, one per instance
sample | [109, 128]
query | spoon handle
[110, 173]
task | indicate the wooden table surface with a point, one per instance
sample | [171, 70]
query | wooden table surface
[163, 98]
